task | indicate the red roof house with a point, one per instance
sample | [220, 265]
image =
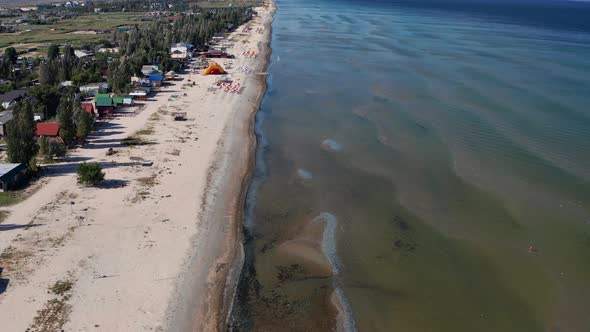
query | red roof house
[48, 129]
[88, 106]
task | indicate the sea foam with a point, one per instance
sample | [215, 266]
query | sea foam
[331, 144]
[304, 174]
[345, 317]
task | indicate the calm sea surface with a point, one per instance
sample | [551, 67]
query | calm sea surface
[424, 166]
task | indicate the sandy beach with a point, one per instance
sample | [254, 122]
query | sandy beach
[157, 246]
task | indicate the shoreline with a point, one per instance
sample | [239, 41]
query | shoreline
[213, 311]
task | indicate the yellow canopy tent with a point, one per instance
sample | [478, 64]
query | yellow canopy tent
[214, 69]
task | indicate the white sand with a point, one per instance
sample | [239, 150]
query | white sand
[142, 255]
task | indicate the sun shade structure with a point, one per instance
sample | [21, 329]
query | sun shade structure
[214, 69]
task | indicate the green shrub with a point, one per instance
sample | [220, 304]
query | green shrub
[50, 148]
[90, 174]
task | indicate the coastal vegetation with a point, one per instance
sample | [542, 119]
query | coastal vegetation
[9, 198]
[21, 134]
[90, 174]
[50, 149]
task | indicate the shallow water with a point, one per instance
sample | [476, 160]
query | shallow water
[450, 147]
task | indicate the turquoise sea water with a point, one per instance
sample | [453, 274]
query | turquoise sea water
[444, 148]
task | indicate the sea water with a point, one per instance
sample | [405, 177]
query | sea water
[445, 148]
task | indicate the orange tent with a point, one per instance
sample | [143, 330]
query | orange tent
[214, 69]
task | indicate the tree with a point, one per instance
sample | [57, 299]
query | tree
[51, 72]
[119, 75]
[69, 62]
[90, 174]
[65, 116]
[84, 125]
[53, 52]
[50, 148]
[43, 143]
[10, 54]
[48, 98]
[21, 133]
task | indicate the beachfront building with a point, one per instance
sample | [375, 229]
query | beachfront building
[49, 130]
[140, 93]
[139, 81]
[218, 37]
[104, 105]
[117, 101]
[215, 54]
[10, 98]
[156, 78]
[92, 89]
[146, 70]
[128, 100]
[181, 51]
[11, 175]
[154, 75]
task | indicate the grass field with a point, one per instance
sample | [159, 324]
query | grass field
[62, 32]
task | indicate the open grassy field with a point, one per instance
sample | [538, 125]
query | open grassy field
[64, 31]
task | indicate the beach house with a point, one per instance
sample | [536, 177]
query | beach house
[154, 75]
[181, 51]
[139, 81]
[104, 105]
[128, 100]
[156, 78]
[92, 89]
[11, 175]
[48, 129]
[140, 93]
[146, 70]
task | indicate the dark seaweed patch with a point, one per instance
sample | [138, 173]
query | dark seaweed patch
[291, 272]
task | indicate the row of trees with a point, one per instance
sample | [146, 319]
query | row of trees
[74, 124]
[157, 36]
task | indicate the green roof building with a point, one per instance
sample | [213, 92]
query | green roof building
[118, 100]
[104, 104]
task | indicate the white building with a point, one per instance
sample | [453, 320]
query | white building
[181, 51]
[93, 88]
[81, 54]
[108, 50]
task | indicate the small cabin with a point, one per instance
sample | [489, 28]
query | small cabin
[11, 175]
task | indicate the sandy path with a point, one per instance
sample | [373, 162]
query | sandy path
[144, 249]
